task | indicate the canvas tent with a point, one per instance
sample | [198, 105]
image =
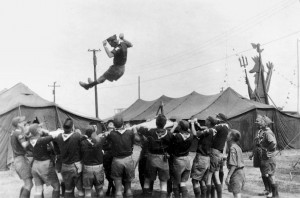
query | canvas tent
[20, 100]
[241, 112]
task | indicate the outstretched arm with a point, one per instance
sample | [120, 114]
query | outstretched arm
[109, 54]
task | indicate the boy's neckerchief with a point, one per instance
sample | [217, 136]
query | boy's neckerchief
[185, 135]
[33, 141]
[161, 135]
[66, 136]
[120, 130]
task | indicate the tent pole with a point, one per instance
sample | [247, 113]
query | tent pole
[298, 75]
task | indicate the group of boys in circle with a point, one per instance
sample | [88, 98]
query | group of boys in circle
[82, 158]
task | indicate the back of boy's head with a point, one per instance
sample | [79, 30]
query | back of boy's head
[184, 125]
[118, 121]
[89, 131]
[33, 129]
[161, 121]
[235, 135]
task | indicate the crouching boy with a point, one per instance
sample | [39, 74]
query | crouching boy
[235, 163]
[92, 159]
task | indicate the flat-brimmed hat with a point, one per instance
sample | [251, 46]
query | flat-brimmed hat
[17, 120]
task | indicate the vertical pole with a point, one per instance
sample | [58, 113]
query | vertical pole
[53, 91]
[139, 88]
[95, 78]
[95, 87]
[298, 75]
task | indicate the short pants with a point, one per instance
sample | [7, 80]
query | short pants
[156, 165]
[123, 168]
[43, 172]
[200, 167]
[181, 169]
[93, 176]
[22, 166]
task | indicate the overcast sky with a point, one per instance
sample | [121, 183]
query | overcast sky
[178, 47]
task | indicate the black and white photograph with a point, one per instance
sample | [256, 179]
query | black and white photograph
[150, 98]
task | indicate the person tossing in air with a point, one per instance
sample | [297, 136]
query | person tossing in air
[119, 54]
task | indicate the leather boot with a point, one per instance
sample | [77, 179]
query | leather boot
[197, 192]
[184, 191]
[275, 191]
[267, 186]
[84, 85]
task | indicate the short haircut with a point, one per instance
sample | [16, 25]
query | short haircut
[161, 121]
[235, 134]
[184, 125]
[118, 121]
[33, 129]
[89, 131]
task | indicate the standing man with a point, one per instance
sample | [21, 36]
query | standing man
[268, 145]
[256, 156]
[69, 143]
[119, 53]
[22, 164]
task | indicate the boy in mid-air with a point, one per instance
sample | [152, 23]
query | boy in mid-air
[119, 53]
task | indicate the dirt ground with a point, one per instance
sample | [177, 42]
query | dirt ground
[287, 177]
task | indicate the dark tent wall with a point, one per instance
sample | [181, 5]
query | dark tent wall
[20, 100]
[285, 127]
[52, 117]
